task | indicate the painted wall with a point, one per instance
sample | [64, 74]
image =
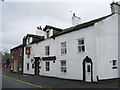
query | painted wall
[73, 58]
[107, 47]
[28, 60]
[101, 45]
[119, 45]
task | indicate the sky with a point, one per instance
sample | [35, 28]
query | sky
[21, 17]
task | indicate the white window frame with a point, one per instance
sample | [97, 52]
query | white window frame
[47, 51]
[47, 66]
[63, 48]
[114, 63]
[63, 67]
[81, 45]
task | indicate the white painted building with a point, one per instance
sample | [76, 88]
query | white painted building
[87, 51]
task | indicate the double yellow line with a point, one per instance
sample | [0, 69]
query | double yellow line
[25, 82]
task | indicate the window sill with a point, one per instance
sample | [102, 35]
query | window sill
[63, 54]
[47, 71]
[80, 52]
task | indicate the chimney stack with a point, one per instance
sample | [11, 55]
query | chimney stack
[39, 31]
[115, 7]
[75, 20]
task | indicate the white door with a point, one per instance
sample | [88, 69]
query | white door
[88, 72]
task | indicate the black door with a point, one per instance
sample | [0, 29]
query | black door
[36, 67]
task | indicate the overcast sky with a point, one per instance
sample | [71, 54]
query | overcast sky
[21, 18]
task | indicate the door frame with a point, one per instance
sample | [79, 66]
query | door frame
[37, 68]
[87, 60]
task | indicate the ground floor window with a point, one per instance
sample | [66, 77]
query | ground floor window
[63, 66]
[47, 65]
[114, 62]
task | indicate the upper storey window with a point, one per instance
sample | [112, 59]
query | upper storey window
[29, 40]
[63, 48]
[81, 45]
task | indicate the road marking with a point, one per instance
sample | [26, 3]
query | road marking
[25, 82]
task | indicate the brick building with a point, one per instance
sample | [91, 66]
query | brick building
[16, 58]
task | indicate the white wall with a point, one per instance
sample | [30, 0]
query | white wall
[28, 60]
[119, 45]
[100, 45]
[107, 47]
[73, 58]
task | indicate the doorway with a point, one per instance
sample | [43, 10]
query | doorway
[36, 67]
[87, 70]
[37, 63]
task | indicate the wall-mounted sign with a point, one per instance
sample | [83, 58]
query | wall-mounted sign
[49, 58]
[28, 50]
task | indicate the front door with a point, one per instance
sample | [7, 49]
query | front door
[87, 69]
[88, 72]
[36, 67]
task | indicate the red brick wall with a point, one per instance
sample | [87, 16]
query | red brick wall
[15, 55]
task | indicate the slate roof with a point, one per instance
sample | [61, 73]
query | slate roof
[19, 46]
[80, 26]
[59, 31]
[36, 38]
[51, 27]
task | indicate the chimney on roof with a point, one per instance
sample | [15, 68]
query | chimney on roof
[39, 31]
[24, 40]
[115, 7]
[75, 20]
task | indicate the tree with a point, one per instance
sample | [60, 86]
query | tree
[5, 56]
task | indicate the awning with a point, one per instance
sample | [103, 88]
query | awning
[49, 58]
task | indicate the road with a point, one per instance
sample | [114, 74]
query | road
[11, 83]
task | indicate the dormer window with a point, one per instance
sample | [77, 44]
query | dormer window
[29, 40]
[47, 34]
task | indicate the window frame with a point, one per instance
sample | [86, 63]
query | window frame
[63, 67]
[47, 50]
[47, 66]
[80, 45]
[63, 48]
[114, 64]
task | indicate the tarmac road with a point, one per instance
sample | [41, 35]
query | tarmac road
[12, 83]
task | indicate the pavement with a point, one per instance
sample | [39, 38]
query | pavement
[57, 83]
